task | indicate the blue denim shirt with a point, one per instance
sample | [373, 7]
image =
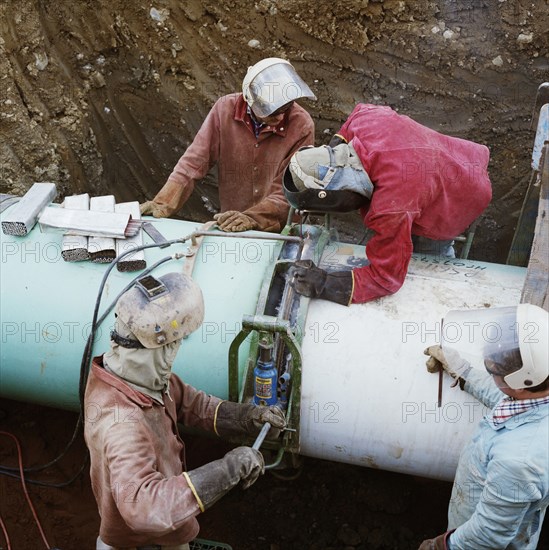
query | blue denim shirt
[501, 488]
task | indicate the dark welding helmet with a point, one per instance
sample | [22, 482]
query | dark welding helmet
[327, 179]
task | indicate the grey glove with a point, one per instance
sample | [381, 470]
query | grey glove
[314, 282]
[233, 221]
[248, 419]
[215, 479]
[449, 360]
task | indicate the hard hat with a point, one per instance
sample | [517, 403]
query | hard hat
[533, 331]
[512, 341]
[272, 83]
[161, 311]
[329, 179]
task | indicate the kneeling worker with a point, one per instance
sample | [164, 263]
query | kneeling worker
[417, 190]
[133, 404]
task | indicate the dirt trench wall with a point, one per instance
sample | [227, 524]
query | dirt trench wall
[104, 96]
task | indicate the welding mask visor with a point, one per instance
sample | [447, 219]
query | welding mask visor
[271, 84]
[511, 342]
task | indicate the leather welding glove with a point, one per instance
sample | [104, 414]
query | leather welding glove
[167, 201]
[449, 360]
[313, 282]
[438, 543]
[248, 419]
[233, 221]
[214, 480]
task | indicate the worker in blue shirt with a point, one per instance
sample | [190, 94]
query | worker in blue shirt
[501, 488]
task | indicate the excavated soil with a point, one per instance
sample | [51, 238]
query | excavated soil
[104, 96]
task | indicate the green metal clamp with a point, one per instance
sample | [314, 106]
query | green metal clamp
[259, 324]
[274, 318]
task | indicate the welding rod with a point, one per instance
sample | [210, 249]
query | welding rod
[261, 437]
[440, 380]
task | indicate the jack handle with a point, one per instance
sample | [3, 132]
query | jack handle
[262, 435]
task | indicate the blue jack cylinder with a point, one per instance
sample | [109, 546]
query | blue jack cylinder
[265, 373]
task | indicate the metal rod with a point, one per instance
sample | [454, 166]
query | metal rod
[440, 378]
[262, 435]
[246, 235]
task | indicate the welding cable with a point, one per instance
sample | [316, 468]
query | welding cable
[5, 531]
[5, 469]
[27, 496]
[289, 477]
[47, 483]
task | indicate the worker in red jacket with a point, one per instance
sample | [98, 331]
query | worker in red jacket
[251, 137]
[417, 189]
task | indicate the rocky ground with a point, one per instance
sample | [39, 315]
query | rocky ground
[104, 96]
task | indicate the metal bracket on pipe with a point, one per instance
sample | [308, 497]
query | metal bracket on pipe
[190, 253]
[282, 312]
[264, 323]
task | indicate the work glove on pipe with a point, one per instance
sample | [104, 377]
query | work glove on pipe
[234, 221]
[214, 480]
[449, 360]
[313, 282]
[151, 208]
[438, 543]
[168, 201]
[248, 419]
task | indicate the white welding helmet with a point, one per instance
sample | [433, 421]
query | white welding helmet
[512, 342]
[272, 83]
[159, 311]
[329, 179]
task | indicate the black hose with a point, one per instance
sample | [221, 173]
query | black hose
[45, 483]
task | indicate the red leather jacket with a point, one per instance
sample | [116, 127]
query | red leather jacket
[137, 458]
[250, 169]
[425, 183]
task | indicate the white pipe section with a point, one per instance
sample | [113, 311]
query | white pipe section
[367, 398]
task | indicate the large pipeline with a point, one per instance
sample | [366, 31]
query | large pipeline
[366, 397]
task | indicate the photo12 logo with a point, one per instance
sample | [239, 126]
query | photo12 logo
[49, 332]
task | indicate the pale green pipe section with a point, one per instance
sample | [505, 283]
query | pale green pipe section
[47, 304]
